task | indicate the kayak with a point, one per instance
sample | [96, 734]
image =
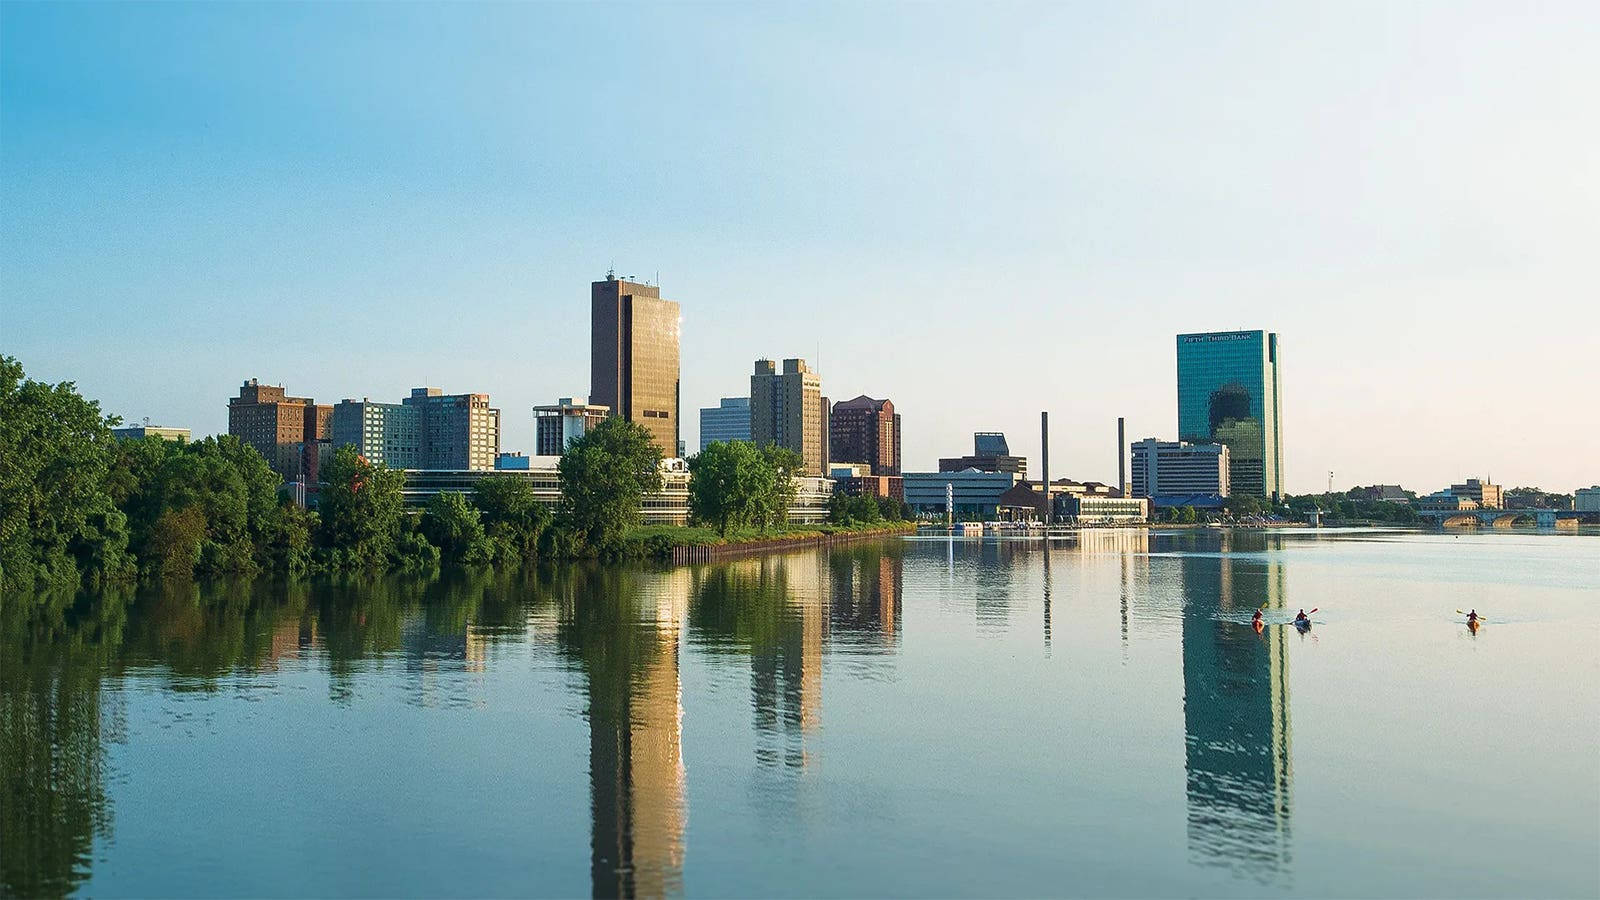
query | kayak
[1303, 624]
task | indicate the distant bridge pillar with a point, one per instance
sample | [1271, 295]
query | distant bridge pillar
[1546, 518]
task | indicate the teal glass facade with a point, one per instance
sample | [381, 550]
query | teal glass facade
[1229, 393]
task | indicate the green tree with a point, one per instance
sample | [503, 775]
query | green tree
[57, 520]
[513, 517]
[605, 474]
[454, 526]
[728, 483]
[783, 466]
[363, 519]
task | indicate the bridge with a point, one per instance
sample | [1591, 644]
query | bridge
[1505, 518]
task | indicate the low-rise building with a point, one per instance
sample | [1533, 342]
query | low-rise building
[1096, 509]
[975, 492]
[1446, 500]
[1485, 494]
[888, 486]
[512, 461]
[1587, 499]
[668, 506]
[1386, 493]
[990, 453]
[133, 432]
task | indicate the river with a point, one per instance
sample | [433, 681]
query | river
[919, 716]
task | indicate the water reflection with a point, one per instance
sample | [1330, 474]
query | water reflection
[1236, 708]
[621, 633]
[623, 630]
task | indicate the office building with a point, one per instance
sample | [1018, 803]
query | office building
[1176, 473]
[284, 430]
[387, 433]
[867, 431]
[728, 421]
[668, 506]
[1587, 499]
[1386, 493]
[133, 432]
[1445, 500]
[990, 453]
[510, 461]
[891, 487]
[633, 357]
[1229, 392]
[1486, 495]
[787, 408]
[568, 419]
[975, 493]
[1100, 509]
[427, 430]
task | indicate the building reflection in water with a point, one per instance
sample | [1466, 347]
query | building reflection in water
[1236, 711]
[623, 628]
[784, 610]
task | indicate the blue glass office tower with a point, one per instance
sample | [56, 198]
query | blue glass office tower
[1229, 393]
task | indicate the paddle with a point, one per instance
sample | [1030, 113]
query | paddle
[1464, 612]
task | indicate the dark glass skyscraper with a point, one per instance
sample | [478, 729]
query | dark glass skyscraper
[1229, 393]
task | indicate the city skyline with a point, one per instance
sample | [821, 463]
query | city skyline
[1361, 225]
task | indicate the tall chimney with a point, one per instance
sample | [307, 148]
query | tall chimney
[1044, 460]
[1122, 460]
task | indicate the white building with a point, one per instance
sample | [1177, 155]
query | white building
[558, 425]
[1170, 468]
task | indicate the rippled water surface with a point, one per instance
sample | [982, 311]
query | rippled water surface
[918, 717]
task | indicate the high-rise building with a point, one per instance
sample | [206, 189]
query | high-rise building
[1179, 469]
[427, 430]
[1586, 499]
[787, 408]
[1229, 393]
[284, 430]
[387, 433]
[633, 357]
[867, 431]
[560, 424]
[990, 453]
[729, 420]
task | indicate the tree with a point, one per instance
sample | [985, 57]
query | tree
[57, 521]
[513, 517]
[728, 483]
[783, 466]
[362, 512]
[453, 525]
[1244, 506]
[605, 474]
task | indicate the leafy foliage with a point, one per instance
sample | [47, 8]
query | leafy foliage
[57, 520]
[605, 474]
[454, 525]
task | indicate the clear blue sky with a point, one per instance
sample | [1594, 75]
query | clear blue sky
[977, 211]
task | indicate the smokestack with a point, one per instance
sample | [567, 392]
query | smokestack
[1044, 460]
[1122, 460]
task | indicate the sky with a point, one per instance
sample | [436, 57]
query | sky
[978, 211]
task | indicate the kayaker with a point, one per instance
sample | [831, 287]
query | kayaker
[1256, 619]
[1302, 618]
[1472, 617]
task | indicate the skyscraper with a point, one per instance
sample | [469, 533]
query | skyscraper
[633, 357]
[787, 408]
[1229, 393]
[729, 420]
[865, 430]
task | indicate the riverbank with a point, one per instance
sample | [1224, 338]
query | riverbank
[682, 544]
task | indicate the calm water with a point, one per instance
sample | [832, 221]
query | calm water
[918, 717]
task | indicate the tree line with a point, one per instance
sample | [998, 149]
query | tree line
[77, 504]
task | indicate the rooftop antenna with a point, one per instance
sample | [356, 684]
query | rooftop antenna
[611, 271]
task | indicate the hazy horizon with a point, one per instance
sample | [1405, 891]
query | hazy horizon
[978, 212]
